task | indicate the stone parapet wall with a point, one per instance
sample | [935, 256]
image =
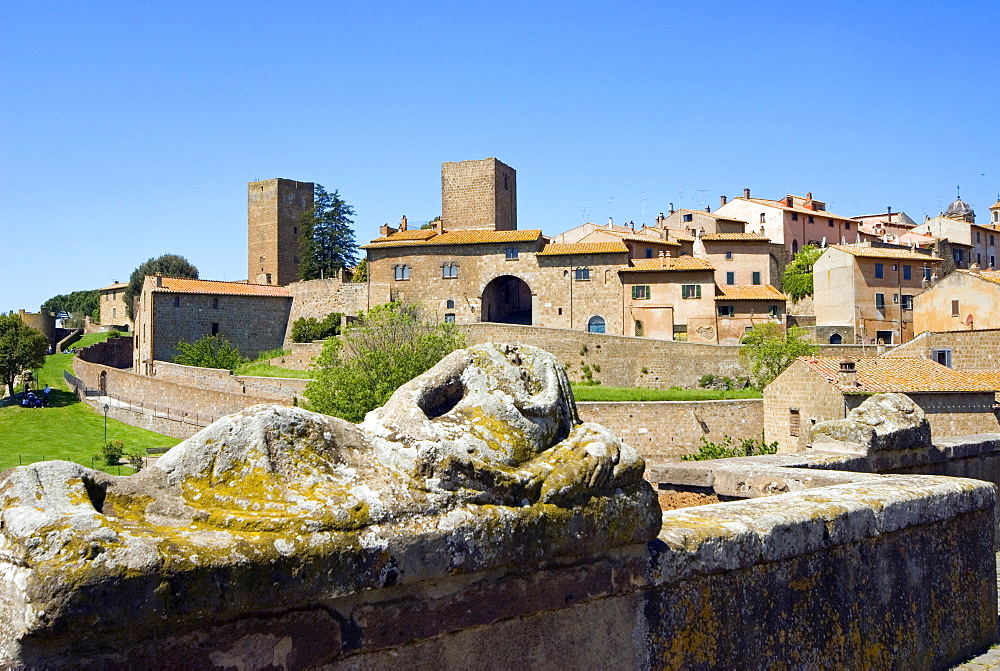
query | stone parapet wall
[670, 429]
[272, 389]
[622, 359]
[114, 352]
[318, 298]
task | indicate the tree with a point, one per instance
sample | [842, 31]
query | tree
[388, 346]
[307, 329]
[361, 271]
[768, 351]
[21, 348]
[209, 352]
[797, 280]
[327, 241]
[168, 265]
[78, 304]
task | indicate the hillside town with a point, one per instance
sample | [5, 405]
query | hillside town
[893, 403]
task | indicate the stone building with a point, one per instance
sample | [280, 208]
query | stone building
[816, 389]
[169, 310]
[793, 221]
[479, 194]
[865, 294]
[274, 208]
[965, 299]
[112, 307]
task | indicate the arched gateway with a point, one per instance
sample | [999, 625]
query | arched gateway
[507, 299]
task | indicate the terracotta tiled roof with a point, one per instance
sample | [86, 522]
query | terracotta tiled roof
[680, 236]
[119, 285]
[795, 208]
[667, 263]
[460, 237]
[641, 237]
[584, 248]
[991, 378]
[735, 236]
[750, 292]
[884, 253]
[891, 374]
[988, 275]
[183, 285]
[416, 234]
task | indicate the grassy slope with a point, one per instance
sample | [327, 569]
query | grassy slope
[261, 369]
[67, 429]
[603, 393]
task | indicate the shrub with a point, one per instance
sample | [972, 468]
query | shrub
[769, 351]
[308, 329]
[706, 380]
[747, 447]
[112, 452]
[209, 352]
[797, 280]
[136, 459]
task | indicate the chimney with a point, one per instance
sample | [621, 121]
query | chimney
[158, 282]
[611, 222]
[974, 269]
[888, 213]
[671, 208]
[708, 209]
[746, 193]
[762, 230]
[848, 374]
[789, 202]
[402, 223]
[439, 226]
[722, 201]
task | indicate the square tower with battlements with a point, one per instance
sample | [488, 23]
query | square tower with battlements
[478, 194]
[274, 207]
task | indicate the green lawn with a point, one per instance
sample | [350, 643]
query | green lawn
[603, 393]
[68, 429]
[261, 369]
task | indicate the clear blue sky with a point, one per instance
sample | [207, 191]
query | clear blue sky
[129, 130]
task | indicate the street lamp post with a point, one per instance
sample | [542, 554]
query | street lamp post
[105, 423]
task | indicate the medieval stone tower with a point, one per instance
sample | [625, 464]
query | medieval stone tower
[479, 194]
[274, 207]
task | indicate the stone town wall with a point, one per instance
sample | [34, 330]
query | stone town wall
[668, 429]
[318, 298]
[114, 352]
[970, 350]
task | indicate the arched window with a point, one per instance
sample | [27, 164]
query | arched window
[836, 339]
[450, 304]
[640, 328]
[596, 325]
[795, 247]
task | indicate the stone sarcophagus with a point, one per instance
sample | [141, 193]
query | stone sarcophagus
[282, 538]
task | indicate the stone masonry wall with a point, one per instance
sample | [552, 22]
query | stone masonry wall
[970, 350]
[114, 352]
[479, 194]
[318, 298]
[273, 210]
[665, 430]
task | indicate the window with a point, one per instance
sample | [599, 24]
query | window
[956, 254]
[726, 310]
[772, 311]
[829, 222]
[511, 253]
[895, 299]
[730, 277]
[688, 217]
[295, 230]
[690, 291]
[979, 259]
[793, 422]
[836, 339]
[762, 217]
[215, 328]
[215, 303]
[640, 292]
[879, 271]
[993, 261]
[449, 304]
[795, 216]
[927, 272]
[883, 337]
[649, 253]
[991, 241]
[978, 240]
[942, 356]
[847, 225]
[907, 272]
[114, 312]
[729, 256]
[595, 325]
[582, 274]
[640, 328]
[755, 277]
[177, 301]
[894, 267]
[449, 270]
[907, 301]
[955, 312]
[449, 318]
[880, 302]
[402, 272]
[811, 220]
[296, 259]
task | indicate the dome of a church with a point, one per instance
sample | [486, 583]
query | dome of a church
[960, 210]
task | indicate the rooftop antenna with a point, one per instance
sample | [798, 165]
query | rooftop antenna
[644, 209]
[703, 192]
[610, 199]
[583, 212]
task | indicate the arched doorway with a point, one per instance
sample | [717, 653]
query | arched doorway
[507, 299]
[596, 324]
[836, 339]
[102, 383]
